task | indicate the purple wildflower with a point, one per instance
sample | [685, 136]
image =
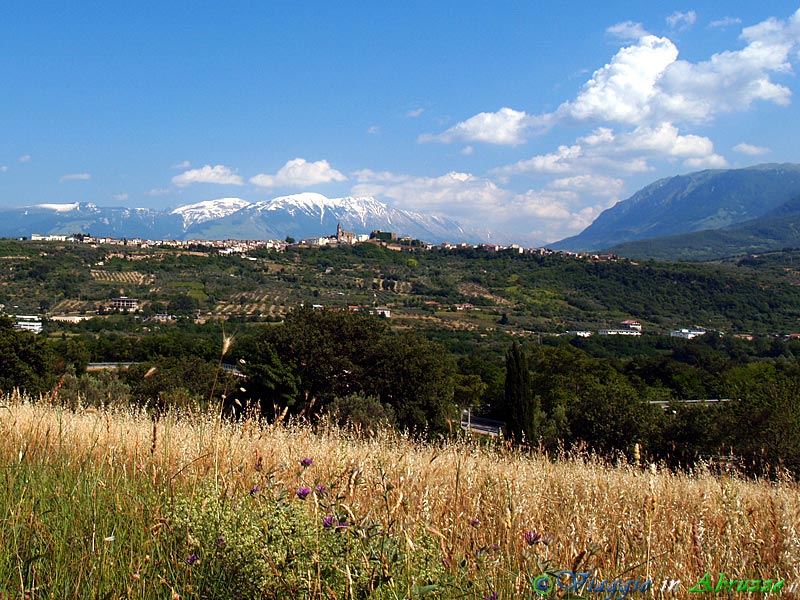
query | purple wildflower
[190, 560]
[328, 522]
[254, 490]
[303, 493]
[533, 537]
[321, 490]
[342, 524]
[475, 523]
[307, 462]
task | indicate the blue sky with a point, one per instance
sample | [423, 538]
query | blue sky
[527, 118]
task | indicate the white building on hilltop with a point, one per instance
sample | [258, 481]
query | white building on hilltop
[29, 323]
[688, 334]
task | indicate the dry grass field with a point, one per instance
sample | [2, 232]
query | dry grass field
[467, 519]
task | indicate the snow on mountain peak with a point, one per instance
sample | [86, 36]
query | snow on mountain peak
[60, 207]
[209, 210]
[317, 205]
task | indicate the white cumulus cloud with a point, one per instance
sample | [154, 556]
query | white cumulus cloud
[750, 149]
[460, 195]
[218, 174]
[504, 127]
[665, 140]
[299, 173]
[645, 82]
[623, 90]
[560, 161]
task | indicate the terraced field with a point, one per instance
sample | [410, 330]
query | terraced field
[253, 303]
[127, 277]
[70, 306]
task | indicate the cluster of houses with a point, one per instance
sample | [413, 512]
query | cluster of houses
[222, 246]
[634, 328]
[388, 239]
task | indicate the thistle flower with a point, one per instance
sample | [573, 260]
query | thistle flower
[254, 490]
[475, 523]
[328, 521]
[303, 493]
[532, 537]
[321, 490]
[190, 560]
[307, 462]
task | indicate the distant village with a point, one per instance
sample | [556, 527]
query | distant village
[389, 240]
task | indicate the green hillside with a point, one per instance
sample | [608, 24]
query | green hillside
[469, 290]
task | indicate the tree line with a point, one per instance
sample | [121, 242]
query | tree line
[558, 395]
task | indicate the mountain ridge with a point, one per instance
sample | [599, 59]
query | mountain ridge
[777, 230]
[702, 200]
[303, 215]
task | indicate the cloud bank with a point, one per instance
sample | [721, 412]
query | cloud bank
[299, 173]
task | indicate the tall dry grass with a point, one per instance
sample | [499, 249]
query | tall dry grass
[472, 497]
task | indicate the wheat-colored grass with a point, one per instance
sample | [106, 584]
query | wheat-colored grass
[615, 520]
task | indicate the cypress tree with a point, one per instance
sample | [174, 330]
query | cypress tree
[522, 413]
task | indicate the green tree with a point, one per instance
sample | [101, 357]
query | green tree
[468, 390]
[271, 385]
[331, 352]
[522, 409]
[26, 362]
[764, 416]
[415, 376]
[189, 379]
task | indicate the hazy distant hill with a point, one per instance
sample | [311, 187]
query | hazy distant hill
[79, 217]
[300, 216]
[701, 201]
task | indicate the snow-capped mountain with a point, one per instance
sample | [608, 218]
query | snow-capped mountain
[208, 210]
[351, 208]
[312, 215]
[300, 216]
